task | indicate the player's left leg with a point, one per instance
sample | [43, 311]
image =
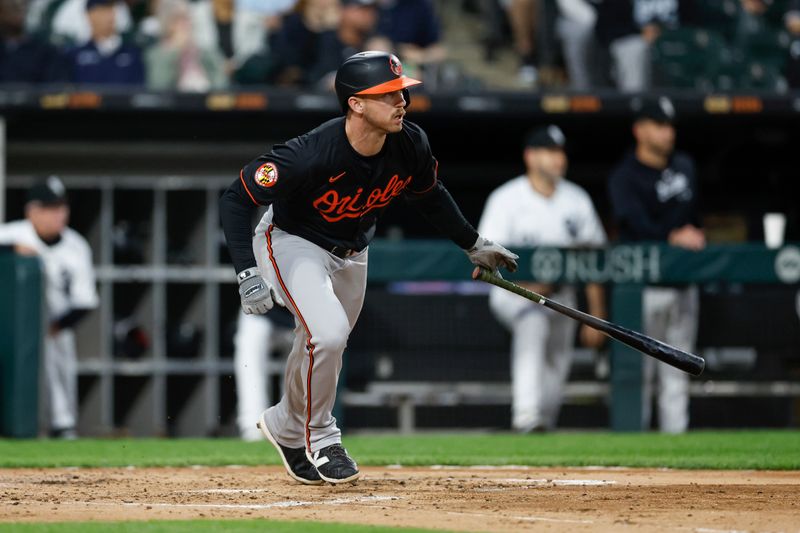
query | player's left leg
[350, 284]
[305, 275]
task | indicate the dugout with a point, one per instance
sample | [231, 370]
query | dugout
[140, 161]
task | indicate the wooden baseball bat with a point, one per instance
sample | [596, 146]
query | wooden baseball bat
[685, 361]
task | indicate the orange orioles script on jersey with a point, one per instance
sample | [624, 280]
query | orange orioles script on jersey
[334, 207]
[267, 175]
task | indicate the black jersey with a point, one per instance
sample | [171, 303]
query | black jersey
[321, 189]
[649, 203]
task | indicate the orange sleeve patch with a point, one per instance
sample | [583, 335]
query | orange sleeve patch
[266, 175]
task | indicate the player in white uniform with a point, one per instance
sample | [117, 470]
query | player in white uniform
[540, 208]
[70, 292]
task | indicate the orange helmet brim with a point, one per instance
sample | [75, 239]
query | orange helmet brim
[391, 86]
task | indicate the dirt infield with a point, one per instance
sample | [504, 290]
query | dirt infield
[463, 499]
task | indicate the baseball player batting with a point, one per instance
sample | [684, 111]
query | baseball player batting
[325, 190]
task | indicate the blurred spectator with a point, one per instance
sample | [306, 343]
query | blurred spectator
[25, 59]
[752, 20]
[627, 28]
[148, 29]
[792, 23]
[575, 28]
[541, 208]
[314, 40]
[760, 47]
[70, 26]
[106, 59]
[302, 47]
[523, 18]
[177, 62]
[36, 14]
[653, 193]
[253, 21]
[792, 17]
[223, 19]
[413, 28]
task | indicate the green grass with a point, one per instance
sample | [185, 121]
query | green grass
[200, 526]
[779, 450]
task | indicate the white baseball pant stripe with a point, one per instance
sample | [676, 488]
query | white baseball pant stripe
[325, 293]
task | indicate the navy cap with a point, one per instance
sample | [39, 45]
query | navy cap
[48, 191]
[94, 3]
[660, 110]
[546, 137]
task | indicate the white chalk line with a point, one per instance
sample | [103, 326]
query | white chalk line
[565, 482]
[222, 491]
[515, 467]
[529, 483]
[253, 506]
[709, 530]
[527, 518]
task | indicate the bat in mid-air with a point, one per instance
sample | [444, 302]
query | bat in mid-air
[685, 361]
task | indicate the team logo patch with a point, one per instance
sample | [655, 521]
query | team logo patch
[267, 175]
[395, 65]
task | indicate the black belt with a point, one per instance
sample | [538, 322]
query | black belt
[339, 251]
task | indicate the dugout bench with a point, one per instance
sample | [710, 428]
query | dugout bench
[626, 269]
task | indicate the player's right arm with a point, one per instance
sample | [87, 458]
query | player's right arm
[13, 234]
[9, 234]
[260, 183]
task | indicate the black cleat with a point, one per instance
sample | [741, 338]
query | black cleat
[294, 459]
[334, 465]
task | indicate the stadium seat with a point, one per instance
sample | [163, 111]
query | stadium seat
[767, 46]
[717, 15]
[688, 58]
[753, 75]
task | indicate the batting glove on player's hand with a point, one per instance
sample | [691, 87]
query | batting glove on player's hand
[257, 294]
[484, 253]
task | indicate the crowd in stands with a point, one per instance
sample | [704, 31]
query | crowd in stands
[636, 45]
[201, 45]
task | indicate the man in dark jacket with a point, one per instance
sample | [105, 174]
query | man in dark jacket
[654, 195]
[23, 58]
[106, 59]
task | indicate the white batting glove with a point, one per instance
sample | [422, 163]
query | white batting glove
[484, 253]
[257, 294]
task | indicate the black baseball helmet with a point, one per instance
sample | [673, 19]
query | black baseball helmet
[371, 73]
